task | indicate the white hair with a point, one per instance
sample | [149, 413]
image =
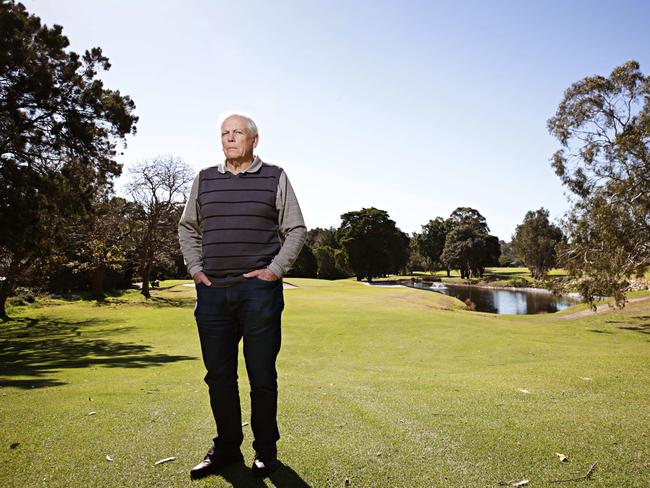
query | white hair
[250, 122]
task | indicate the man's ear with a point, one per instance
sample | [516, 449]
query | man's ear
[256, 140]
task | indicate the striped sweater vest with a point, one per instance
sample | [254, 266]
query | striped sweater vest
[239, 220]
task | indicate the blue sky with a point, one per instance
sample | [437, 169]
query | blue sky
[415, 108]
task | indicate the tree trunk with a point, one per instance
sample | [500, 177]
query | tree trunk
[5, 290]
[8, 284]
[97, 286]
[145, 271]
[448, 273]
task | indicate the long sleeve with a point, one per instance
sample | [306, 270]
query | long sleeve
[292, 227]
[189, 231]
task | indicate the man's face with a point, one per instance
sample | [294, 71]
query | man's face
[236, 138]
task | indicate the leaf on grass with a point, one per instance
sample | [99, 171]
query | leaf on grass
[109, 458]
[523, 390]
[166, 460]
[347, 481]
[562, 457]
[14, 445]
[244, 424]
[585, 378]
[520, 483]
[92, 413]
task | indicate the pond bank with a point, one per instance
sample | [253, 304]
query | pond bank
[492, 299]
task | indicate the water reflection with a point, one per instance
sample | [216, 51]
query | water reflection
[501, 300]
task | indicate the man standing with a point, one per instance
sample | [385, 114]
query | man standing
[241, 230]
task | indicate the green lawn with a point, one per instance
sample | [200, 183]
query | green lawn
[379, 386]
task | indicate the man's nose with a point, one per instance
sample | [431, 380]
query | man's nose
[231, 137]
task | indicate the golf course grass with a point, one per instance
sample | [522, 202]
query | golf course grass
[379, 387]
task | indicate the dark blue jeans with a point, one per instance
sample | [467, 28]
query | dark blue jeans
[251, 310]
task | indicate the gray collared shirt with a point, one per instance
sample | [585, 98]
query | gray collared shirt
[290, 221]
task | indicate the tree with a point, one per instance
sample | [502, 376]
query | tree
[305, 265]
[603, 125]
[102, 243]
[431, 241]
[159, 186]
[535, 241]
[416, 261]
[492, 252]
[326, 261]
[507, 257]
[59, 128]
[342, 264]
[468, 246]
[322, 237]
[467, 216]
[373, 243]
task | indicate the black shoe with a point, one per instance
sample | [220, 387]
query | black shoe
[266, 461]
[213, 462]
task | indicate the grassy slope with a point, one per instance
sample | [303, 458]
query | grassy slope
[387, 387]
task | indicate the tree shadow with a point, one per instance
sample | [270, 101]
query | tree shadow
[171, 302]
[87, 296]
[39, 347]
[642, 328]
[240, 476]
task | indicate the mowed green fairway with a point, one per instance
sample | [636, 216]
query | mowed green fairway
[378, 387]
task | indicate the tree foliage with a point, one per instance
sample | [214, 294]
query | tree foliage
[322, 237]
[373, 243]
[603, 125]
[101, 243]
[305, 265]
[59, 127]
[431, 242]
[535, 242]
[326, 263]
[508, 257]
[468, 246]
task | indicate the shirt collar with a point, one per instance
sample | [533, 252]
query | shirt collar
[253, 168]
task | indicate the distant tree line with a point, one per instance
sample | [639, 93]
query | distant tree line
[368, 244]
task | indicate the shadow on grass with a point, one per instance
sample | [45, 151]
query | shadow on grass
[240, 476]
[643, 328]
[87, 296]
[35, 349]
[110, 297]
[171, 302]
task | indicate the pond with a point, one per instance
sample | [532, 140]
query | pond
[516, 301]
